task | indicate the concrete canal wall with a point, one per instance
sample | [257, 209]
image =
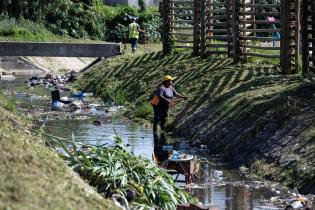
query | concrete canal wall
[33, 65]
[59, 49]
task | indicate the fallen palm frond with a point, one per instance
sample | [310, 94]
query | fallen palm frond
[113, 170]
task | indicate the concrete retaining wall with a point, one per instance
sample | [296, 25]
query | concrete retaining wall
[59, 49]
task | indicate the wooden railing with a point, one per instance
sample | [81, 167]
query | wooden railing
[241, 29]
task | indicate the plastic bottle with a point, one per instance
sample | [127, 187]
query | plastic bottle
[175, 155]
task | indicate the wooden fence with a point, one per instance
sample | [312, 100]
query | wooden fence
[308, 35]
[242, 29]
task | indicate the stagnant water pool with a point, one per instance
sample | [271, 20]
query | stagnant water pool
[216, 185]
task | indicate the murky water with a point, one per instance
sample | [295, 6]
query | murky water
[215, 186]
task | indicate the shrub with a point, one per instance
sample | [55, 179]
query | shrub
[144, 111]
[151, 22]
[118, 34]
[142, 6]
[76, 20]
[85, 19]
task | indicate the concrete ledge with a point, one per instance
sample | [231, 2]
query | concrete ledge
[59, 49]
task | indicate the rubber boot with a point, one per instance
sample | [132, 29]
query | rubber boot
[154, 128]
[162, 127]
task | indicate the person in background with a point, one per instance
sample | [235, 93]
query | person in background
[134, 31]
[162, 101]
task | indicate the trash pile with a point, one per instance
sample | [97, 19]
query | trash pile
[80, 103]
[294, 201]
[52, 81]
[178, 156]
[77, 103]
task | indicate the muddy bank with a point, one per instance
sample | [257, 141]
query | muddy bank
[250, 114]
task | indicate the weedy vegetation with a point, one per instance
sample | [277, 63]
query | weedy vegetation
[113, 170]
[8, 104]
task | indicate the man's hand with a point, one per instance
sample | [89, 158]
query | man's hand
[185, 97]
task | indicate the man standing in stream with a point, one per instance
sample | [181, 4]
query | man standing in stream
[162, 101]
[134, 30]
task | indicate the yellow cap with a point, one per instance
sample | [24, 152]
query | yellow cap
[168, 77]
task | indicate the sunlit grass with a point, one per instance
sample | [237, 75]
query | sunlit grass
[25, 30]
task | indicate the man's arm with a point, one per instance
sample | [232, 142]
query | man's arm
[139, 29]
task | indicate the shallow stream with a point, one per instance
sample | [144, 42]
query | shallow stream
[216, 185]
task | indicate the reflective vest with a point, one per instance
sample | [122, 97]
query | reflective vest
[133, 31]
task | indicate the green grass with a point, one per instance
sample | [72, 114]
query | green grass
[32, 176]
[238, 109]
[25, 30]
[8, 104]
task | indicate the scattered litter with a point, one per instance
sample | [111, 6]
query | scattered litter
[293, 201]
[56, 105]
[243, 169]
[177, 156]
[269, 208]
[97, 122]
[7, 76]
[52, 82]
[217, 173]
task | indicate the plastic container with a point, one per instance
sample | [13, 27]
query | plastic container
[56, 105]
[175, 155]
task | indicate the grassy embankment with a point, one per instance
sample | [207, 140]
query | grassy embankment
[32, 176]
[25, 30]
[249, 113]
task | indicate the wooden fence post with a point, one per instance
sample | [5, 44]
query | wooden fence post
[203, 33]
[236, 30]
[167, 44]
[285, 41]
[210, 20]
[297, 13]
[253, 9]
[244, 26]
[228, 6]
[196, 37]
[304, 33]
[312, 4]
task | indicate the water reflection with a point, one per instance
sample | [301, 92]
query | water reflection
[162, 149]
[229, 191]
[137, 139]
[214, 186]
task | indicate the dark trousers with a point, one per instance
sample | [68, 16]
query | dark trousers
[134, 43]
[160, 116]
